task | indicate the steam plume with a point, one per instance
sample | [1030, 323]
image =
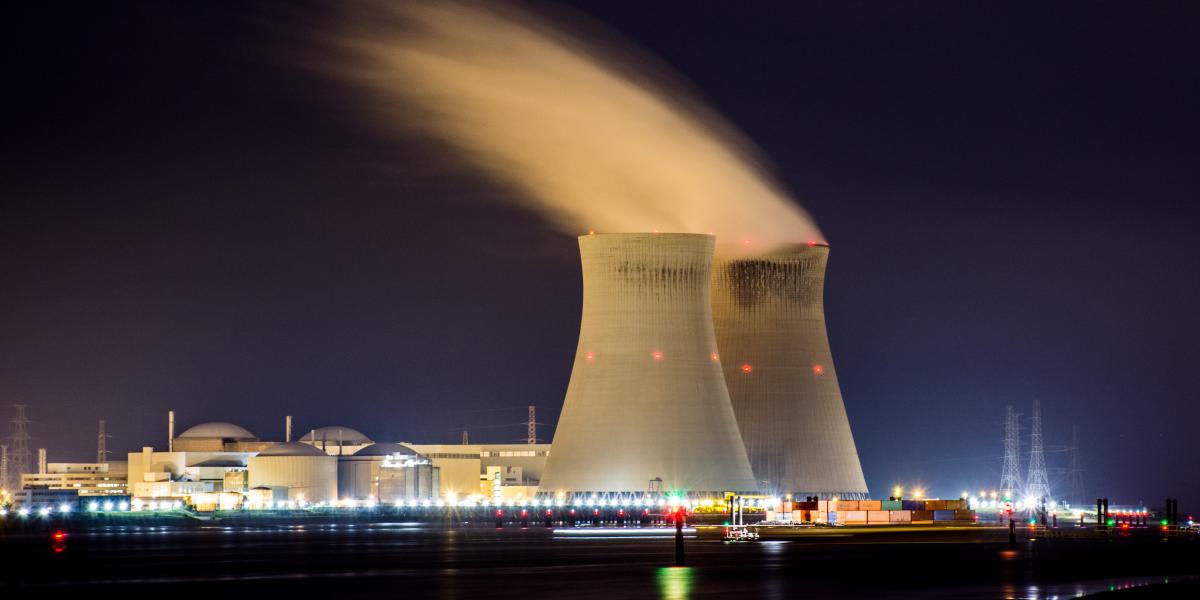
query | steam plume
[594, 136]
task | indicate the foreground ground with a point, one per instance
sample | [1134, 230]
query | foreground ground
[421, 561]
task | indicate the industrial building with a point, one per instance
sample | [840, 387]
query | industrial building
[337, 440]
[295, 471]
[769, 318]
[390, 473]
[202, 459]
[85, 479]
[210, 461]
[472, 470]
[154, 474]
[647, 409]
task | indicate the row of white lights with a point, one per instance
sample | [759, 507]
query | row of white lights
[94, 506]
[280, 504]
[154, 505]
[65, 509]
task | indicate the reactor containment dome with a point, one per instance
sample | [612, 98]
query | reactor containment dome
[646, 409]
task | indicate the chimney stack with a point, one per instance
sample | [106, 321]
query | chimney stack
[287, 434]
[41, 461]
[170, 431]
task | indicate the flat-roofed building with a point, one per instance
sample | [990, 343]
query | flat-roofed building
[463, 468]
[85, 479]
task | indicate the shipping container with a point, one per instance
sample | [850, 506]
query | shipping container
[912, 505]
[964, 515]
[823, 505]
[787, 506]
[852, 517]
[869, 505]
[820, 516]
[922, 515]
[900, 516]
[805, 506]
[891, 505]
[935, 505]
[878, 516]
[959, 504]
[845, 505]
[943, 515]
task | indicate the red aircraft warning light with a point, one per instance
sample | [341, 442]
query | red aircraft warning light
[747, 368]
[818, 369]
[59, 536]
[657, 354]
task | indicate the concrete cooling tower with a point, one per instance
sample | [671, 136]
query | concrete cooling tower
[769, 317]
[646, 409]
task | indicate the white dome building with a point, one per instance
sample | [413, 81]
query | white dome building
[295, 471]
[337, 440]
[217, 436]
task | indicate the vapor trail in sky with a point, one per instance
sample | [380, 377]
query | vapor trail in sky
[596, 135]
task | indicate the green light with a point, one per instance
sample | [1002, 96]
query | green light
[1110, 522]
[1164, 522]
[1032, 521]
[675, 583]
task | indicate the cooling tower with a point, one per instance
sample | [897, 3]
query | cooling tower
[647, 399]
[769, 318]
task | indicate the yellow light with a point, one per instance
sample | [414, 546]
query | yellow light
[897, 491]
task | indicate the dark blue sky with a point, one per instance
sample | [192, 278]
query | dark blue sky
[190, 222]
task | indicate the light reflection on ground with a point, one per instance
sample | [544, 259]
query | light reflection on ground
[675, 583]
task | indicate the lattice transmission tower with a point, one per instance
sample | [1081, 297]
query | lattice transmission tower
[531, 431]
[1037, 485]
[4, 468]
[1078, 493]
[102, 445]
[19, 458]
[1010, 473]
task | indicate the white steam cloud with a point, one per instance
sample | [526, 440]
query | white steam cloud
[596, 137]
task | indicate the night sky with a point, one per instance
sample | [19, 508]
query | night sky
[191, 221]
